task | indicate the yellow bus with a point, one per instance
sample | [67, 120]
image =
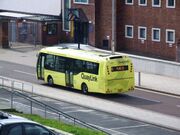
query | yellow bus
[86, 70]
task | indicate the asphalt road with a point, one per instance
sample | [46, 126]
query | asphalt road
[139, 98]
[112, 124]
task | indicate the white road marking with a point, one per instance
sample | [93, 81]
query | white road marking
[69, 107]
[157, 101]
[178, 106]
[107, 129]
[110, 120]
[78, 111]
[130, 127]
[24, 72]
[159, 93]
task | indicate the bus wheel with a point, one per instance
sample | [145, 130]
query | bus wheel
[84, 88]
[50, 81]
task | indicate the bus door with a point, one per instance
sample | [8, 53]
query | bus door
[40, 66]
[69, 73]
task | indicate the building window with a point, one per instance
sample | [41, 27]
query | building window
[143, 2]
[156, 34]
[156, 3]
[170, 36]
[129, 2]
[142, 32]
[129, 31]
[52, 29]
[81, 1]
[66, 22]
[170, 3]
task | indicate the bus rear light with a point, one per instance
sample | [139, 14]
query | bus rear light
[131, 67]
[108, 70]
[108, 91]
[130, 89]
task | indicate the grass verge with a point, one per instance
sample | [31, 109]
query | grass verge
[76, 130]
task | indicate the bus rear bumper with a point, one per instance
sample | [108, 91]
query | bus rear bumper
[118, 91]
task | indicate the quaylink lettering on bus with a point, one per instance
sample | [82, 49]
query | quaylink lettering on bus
[89, 77]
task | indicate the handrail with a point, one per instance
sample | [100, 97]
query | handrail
[19, 92]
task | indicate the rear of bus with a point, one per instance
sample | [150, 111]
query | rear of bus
[119, 75]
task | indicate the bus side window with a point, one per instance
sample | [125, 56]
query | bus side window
[92, 67]
[49, 61]
[60, 64]
[78, 67]
[95, 68]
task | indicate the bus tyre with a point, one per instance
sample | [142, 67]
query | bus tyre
[84, 88]
[50, 81]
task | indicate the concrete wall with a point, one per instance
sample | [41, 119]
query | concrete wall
[156, 66]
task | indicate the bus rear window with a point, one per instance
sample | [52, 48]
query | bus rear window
[119, 68]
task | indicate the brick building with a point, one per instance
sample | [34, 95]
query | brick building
[145, 27]
[149, 27]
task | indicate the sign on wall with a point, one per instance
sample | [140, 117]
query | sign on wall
[46, 7]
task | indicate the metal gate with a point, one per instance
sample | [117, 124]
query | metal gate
[12, 32]
[23, 33]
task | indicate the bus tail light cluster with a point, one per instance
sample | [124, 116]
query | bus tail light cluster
[131, 67]
[130, 89]
[108, 70]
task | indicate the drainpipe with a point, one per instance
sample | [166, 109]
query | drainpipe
[113, 43]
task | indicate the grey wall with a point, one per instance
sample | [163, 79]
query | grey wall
[156, 66]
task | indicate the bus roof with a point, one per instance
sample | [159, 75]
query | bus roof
[79, 54]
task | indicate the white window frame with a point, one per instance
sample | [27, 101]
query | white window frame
[145, 4]
[156, 5]
[127, 3]
[145, 28]
[167, 6]
[81, 2]
[156, 40]
[127, 36]
[174, 34]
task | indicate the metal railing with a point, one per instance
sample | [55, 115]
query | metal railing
[17, 88]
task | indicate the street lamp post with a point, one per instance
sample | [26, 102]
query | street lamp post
[113, 43]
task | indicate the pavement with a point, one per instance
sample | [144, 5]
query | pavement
[27, 56]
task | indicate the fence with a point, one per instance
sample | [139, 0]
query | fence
[24, 32]
[18, 89]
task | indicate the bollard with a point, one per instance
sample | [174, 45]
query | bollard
[139, 78]
[32, 91]
[12, 93]
[22, 87]
[59, 117]
[45, 111]
[31, 107]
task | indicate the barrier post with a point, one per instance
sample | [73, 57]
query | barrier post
[31, 107]
[139, 78]
[45, 109]
[12, 93]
